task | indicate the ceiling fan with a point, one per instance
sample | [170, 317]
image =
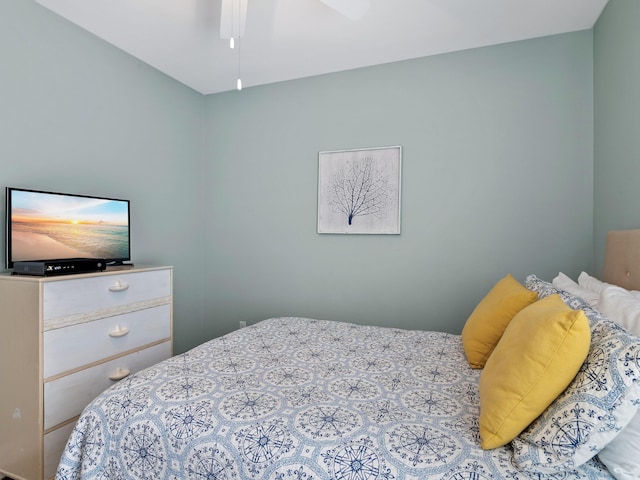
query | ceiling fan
[234, 14]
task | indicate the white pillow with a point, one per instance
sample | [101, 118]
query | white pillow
[621, 306]
[622, 454]
[563, 282]
[591, 283]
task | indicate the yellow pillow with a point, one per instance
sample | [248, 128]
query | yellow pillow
[487, 322]
[540, 352]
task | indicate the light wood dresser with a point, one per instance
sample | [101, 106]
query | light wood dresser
[65, 339]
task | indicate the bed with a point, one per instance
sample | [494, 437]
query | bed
[296, 398]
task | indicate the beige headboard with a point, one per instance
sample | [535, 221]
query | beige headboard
[622, 259]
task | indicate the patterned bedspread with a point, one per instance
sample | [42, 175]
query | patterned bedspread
[293, 398]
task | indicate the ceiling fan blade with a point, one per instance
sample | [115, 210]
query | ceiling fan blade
[233, 18]
[352, 9]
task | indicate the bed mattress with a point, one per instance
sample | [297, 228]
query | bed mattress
[295, 398]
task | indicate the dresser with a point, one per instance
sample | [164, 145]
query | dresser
[65, 339]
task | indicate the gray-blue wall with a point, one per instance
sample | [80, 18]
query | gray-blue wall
[497, 178]
[617, 122]
[78, 115]
[497, 172]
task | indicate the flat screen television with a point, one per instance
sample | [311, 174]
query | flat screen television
[43, 226]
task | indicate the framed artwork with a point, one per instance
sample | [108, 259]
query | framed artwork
[359, 191]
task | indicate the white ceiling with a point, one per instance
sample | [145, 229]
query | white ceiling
[288, 39]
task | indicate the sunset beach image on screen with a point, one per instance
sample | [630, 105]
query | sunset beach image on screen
[57, 226]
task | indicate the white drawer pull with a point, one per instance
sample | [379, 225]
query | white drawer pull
[119, 331]
[118, 287]
[119, 374]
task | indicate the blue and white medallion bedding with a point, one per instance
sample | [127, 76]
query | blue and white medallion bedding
[294, 398]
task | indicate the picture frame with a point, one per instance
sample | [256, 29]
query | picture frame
[359, 191]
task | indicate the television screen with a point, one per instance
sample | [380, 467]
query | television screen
[52, 226]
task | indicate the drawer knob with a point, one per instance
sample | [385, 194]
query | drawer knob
[119, 374]
[118, 287]
[119, 331]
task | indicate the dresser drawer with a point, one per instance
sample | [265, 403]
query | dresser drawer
[66, 397]
[54, 443]
[72, 347]
[65, 298]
